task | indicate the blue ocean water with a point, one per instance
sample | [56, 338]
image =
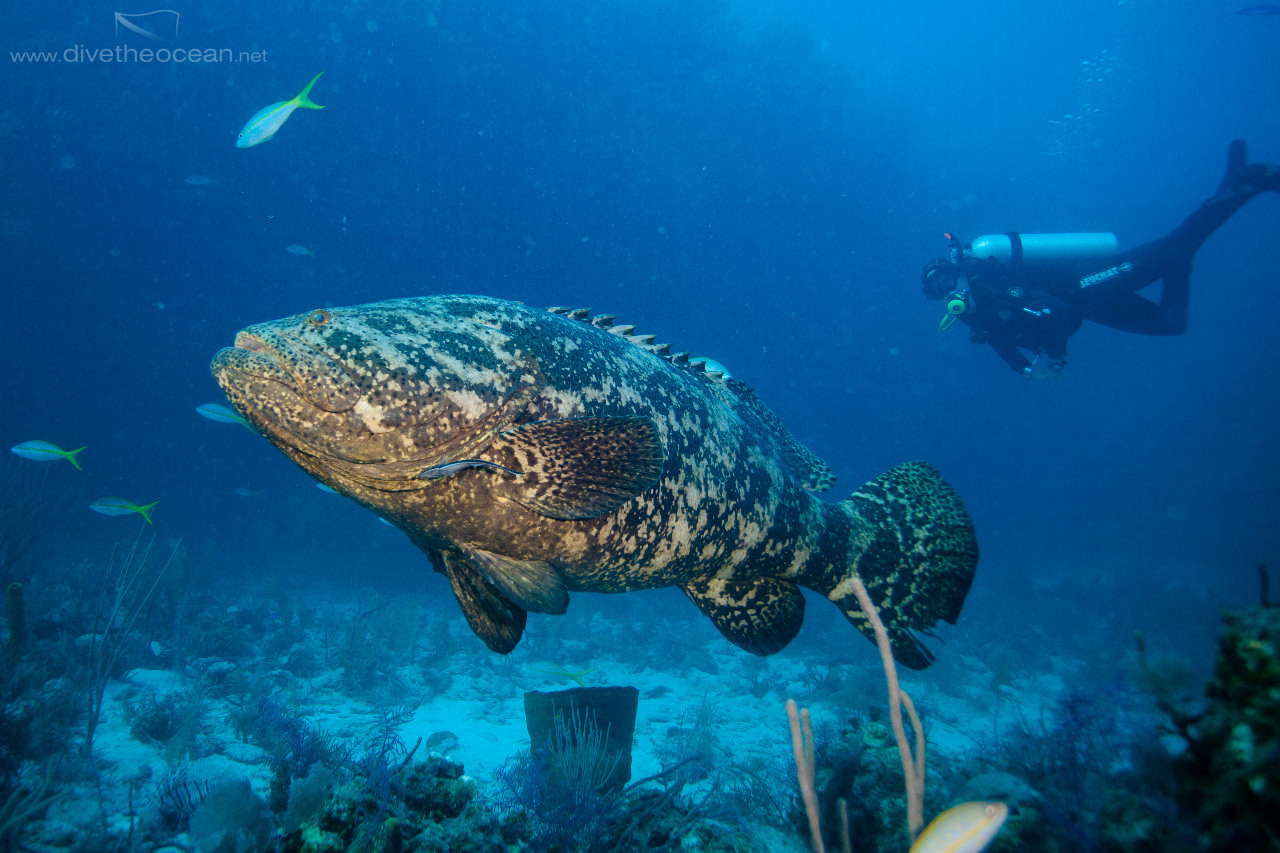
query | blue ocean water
[757, 182]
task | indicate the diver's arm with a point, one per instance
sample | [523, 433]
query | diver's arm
[1012, 356]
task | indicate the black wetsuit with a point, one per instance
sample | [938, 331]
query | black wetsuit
[1023, 311]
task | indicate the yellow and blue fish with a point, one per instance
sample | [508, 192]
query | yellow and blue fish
[43, 451]
[221, 414]
[120, 506]
[267, 121]
[966, 828]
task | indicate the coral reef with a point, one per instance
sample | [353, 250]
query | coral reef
[1229, 776]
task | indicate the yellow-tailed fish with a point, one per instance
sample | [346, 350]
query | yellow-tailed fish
[120, 506]
[267, 121]
[221, 414]
[295, 249]
[579, 677]
[43, 451]
[966, 828]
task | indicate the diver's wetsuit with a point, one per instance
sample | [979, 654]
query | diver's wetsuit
[1017, 308]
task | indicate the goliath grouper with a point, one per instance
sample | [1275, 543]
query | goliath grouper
[533, 453]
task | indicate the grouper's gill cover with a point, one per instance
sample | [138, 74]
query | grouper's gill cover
[532, 453]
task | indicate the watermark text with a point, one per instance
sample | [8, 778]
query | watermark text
[122, 53]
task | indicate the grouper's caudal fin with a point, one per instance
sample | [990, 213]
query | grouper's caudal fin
[913, 546]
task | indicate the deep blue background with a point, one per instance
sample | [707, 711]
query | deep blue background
[756, 181]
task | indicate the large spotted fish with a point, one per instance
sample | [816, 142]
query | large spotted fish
[534, 453]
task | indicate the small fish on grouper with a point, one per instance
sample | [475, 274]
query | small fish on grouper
[267, 121]
[435, 472]
[638, 469]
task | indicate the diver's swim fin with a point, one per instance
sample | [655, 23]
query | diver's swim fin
[1237, 155]
[1243, 179]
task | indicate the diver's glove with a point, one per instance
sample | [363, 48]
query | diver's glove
[1047, 369]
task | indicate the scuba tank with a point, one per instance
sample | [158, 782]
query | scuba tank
[1012, 249]
[1043, 249]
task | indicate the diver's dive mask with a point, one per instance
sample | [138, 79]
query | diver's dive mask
[947, 280]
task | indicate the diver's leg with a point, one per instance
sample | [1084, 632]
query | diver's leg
[1130, 312]
[1106, 291]
[1241, 182]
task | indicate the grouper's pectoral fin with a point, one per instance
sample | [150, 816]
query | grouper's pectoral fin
[534, 585]
[760, 615]
[580, 467]
[494, 619]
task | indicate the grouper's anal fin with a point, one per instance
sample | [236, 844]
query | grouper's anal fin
[534, 585]
[491, 616]
[579, 468]
[918, 557]
[760, 615]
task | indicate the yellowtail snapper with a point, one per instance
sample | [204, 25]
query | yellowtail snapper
[267, 121]
[221, 414]
[43, 451]
[120, 506]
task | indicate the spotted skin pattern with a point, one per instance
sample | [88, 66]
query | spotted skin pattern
[615, 466]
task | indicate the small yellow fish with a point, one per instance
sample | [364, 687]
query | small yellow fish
[578, 677]
[120, 506]
[43, 451]
[966, 828]
[267, 121]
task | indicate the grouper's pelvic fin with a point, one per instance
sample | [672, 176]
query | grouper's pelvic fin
[491, 615]
[914, 548]
[760, 615]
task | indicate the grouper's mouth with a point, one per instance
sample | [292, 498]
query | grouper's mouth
[303, 401]
[301, 368]
[309, 406]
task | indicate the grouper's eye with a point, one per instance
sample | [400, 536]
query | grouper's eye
[318, 318]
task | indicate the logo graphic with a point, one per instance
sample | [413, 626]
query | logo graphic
[160, 25]
[1090, 280]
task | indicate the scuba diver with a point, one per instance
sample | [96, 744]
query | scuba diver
[1026, 294]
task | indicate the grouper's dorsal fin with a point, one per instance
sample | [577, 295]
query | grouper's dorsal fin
[814, 474]
[645, 342]
[579, 467]
[535, 585]
[493, 618]
[760, 615]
